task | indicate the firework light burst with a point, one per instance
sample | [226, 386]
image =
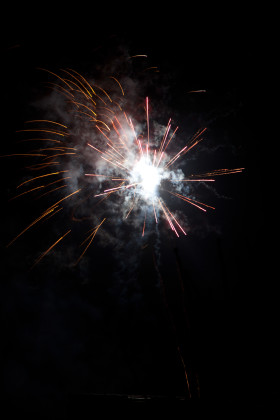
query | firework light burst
[105, 158]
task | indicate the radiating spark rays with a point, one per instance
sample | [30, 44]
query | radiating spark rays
[117, 141]
[167, 217]
[115, 163]
[170, 215]
[193, 142]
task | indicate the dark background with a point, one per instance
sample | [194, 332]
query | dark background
[69, 338]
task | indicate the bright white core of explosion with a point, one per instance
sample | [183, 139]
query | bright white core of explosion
[147, 176]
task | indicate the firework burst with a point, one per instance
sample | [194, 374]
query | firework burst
[106, 161]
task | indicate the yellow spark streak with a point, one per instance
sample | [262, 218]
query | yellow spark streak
[92, 237]
[56, 75]
[150, 68]
[41, 165]
[104, 91]
[50, 248]
[44, 214]
[116, 80]
[75, 192]
[26, 192]
[139, 55]
[144, 224]
[55, 141]
[22, 154]
[54, 189]
[83, 79]
[120, 108]
[59, 154]
[53, 122]
[78, 89]
[58, 180]
[102, 122]
[65, 91]
[44, 131]
[51, 215]
[78, 103]
[221, 172]
[74, 77]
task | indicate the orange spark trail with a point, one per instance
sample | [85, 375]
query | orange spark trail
[53, 122]
[116, 80]
[220, 172]
[44, 214]
[59, 133]
[91, 237]
[50, 248]
[60, 78]
[70, 195]
[74, 77]
[26, 192]
[54, 189]
[143, 231]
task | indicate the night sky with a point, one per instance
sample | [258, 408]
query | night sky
[109, 329]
